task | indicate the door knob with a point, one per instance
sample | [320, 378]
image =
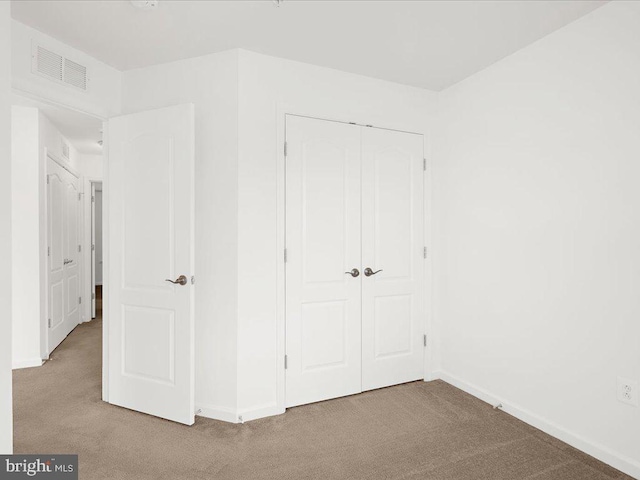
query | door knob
[354, 273]
[181, 280]
[368, 272]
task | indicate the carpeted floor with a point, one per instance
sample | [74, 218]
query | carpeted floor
[414, 431]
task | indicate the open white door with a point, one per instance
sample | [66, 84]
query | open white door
[150, 231]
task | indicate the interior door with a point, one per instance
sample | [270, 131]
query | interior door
[64, 269]
[322, 245]
[393, 246]
[151, 232]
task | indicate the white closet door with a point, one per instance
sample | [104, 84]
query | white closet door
[151, 234]
[64, 270]
[323, 304]
[392, 232]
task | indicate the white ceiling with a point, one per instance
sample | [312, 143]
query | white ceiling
[429, 44]
[82, 131]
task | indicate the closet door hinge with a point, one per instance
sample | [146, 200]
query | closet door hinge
[93, 199]
[285, 149]
[424, 252]
[286, 362]
[93, 247]
[93, 296]
[424, 164]
[285, 255]
[79, 299]
[49, 323]
[48, 251]
[79, 196]
[79, 248]
[424, 339]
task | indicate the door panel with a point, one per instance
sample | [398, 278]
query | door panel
[323, 242]
[151, 233]
[392, 230]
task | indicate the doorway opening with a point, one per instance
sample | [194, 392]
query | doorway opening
[96, 249]
[56, 161]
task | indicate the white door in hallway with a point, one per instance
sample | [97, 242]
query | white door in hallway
[149, 295]
[393, 246]
[323, 244]
[63, 202]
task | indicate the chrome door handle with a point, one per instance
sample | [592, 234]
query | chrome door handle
[368, 272]
[354, 273]
[67, 261]
[181, 280]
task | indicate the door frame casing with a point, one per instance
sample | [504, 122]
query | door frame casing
[283, 110]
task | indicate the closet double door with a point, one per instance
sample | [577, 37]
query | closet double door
[354, 259]
[63, 216]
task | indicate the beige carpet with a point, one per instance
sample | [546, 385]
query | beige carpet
[413, 431]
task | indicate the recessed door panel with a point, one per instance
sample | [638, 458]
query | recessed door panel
[149, 255]
[324, 223]
[56, 299]
[392, 324]
[393, 209]
[324, 329]
[148, 334]
[392, 245]
[323, 242]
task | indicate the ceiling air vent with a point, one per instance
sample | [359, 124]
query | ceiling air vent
[58, 68]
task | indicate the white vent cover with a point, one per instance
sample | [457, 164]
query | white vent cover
[55, 67]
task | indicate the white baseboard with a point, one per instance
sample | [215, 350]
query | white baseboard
[241, 416]
[217, 413]
[260, 412]
[602, 453]
[27, 363]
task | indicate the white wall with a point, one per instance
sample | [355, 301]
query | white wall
[6, 416]
[102, 97]
[52, 139]
[211, 84]
[90, 165]
[537, 262]
[98, 239]
[237, 354]
[25, 205]
[270, 87]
